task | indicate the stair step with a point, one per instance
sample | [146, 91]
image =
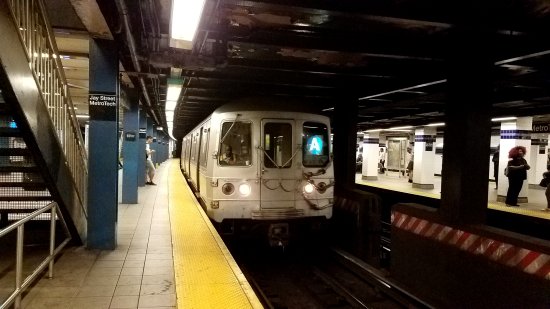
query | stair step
[9, 132]
[26, 198]
[25, 184]
[18, 210]
[18, 169]
[15, 152]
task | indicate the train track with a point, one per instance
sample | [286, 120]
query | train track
[315, 278]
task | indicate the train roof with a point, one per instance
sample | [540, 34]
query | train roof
[268, 104]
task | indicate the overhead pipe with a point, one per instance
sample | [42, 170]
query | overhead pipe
[123, 11]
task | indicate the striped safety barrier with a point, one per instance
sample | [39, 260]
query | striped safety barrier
[528, 261]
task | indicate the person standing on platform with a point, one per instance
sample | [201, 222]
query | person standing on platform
[546, 175]
[517, 168]
[495, 165]
[150, 166]
[410, 164]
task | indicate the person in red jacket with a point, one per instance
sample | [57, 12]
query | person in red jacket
[516, 172]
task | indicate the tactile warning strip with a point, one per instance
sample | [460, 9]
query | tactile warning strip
[206, 274]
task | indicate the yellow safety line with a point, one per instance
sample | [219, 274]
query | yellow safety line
[492, 205]
[206, 274]
[411, 191]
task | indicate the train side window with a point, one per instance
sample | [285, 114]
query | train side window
[235, 141]
[194, 145]
[315, 152]
[277, 145]
[204, 147]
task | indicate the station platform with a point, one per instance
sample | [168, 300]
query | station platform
[535, 207]
[168, 256]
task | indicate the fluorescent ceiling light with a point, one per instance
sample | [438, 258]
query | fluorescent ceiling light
[373, 130]
[170, 106]
[82, 116]
[400, 128]
[504, 118]
[184, 20]
[173, 92]
[169, 115]
[437, 124]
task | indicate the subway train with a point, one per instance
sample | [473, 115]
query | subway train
[262, 166]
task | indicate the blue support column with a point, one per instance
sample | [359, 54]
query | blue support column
[151, 133]
[103, 145]
[141, 147]
[164, 148]
[131, 147]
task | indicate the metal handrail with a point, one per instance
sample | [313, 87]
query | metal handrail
[41, 50]
[21, 285]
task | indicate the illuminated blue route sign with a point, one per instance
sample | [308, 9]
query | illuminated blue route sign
[315, 145]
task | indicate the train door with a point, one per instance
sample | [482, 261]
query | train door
[277, 160]
[203, 158]
[199, 147]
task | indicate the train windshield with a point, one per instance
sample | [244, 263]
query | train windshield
[315, 145]
[235, 144]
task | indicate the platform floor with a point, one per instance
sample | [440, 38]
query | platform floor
[166, 257]
[535, 206]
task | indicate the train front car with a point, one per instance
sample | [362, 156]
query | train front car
[272, 172]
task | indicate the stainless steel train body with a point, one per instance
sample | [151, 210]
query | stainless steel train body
[280, 169]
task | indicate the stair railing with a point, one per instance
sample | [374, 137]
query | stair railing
[37, 37]
[20, 283]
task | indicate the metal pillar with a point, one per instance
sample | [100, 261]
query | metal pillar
[467, 127]
[345, 139]
[131, 150]
[103, 147]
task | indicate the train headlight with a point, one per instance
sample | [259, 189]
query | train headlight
[245, 189]
[228, 189]
[309, 188]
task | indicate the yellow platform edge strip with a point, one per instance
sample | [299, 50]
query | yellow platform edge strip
[491, 205]
[204, 283]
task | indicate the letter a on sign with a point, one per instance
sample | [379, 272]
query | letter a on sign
[315, 145]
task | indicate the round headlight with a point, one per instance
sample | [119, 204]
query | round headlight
[309, 188]
[228, 189]
[244, 189]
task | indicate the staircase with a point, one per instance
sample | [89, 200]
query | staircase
[22, 188]
[42, 155]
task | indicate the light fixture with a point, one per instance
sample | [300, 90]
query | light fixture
[184, 20]
[504, 118]
[436, 124]
[400, 128]
[169, 114]
[174, 89]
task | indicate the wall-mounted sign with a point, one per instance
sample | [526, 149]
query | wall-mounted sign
[541, 127]
[130, 136]
[429, 146]
[142, 132]
[103, 106]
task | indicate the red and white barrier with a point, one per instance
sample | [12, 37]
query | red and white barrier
[531, 262]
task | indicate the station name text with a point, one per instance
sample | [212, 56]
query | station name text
[102, 100]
